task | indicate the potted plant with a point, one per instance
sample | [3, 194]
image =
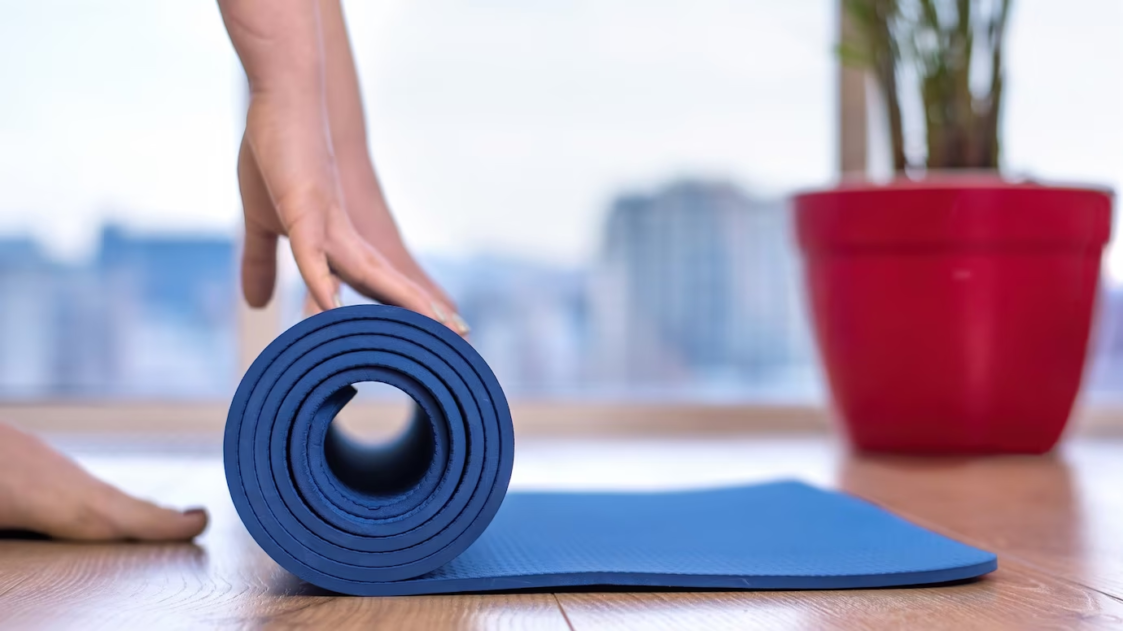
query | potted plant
[952, 307]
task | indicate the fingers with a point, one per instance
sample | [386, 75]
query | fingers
[144, 521]
[259, 266]
[310, 306]
[441, 309]
[259, 252]
[327, 249]
[290, 186]
[362, 267]
[325, 259]
[308, 248]
[105, 513]
[115, 516]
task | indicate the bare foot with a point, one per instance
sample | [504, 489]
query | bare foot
[44, 491]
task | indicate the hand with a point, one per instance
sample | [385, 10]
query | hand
[304, 122]
[43, 491]
[308, 208]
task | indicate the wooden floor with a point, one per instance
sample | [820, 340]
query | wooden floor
[1056, 523]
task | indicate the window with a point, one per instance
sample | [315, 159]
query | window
[600, 185]
[119, 127]
[1062, 123]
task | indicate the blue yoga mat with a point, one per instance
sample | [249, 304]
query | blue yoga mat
[430, 512]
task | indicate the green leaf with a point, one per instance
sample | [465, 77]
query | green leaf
[853, 55]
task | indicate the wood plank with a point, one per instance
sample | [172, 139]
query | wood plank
[1062, 514]
[1015, 597]
[47, 585]
[176, 586]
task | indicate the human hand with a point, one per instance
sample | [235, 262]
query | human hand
[305, 203]
[43, 491]
[289, 173]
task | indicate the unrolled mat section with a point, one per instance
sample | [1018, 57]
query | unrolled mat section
[429, 512]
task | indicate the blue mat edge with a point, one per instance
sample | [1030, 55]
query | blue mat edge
[658, 582]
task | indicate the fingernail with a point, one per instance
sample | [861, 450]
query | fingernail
[336, 300]
[460, 325]
[195, 511]
[439, 312]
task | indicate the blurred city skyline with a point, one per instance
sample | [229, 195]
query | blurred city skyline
[147, 315]
[695, 293]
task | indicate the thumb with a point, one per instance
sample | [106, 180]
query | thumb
[259, 252]
[259, 265]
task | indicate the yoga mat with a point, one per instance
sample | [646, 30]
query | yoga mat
[430, 512]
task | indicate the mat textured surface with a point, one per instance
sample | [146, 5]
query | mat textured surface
[429, 513]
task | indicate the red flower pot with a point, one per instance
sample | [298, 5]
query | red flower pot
[953, 315]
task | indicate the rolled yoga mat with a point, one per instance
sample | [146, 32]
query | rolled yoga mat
[430, 512]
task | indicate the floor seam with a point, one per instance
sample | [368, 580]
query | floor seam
[568, 622]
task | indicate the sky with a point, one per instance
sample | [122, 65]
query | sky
[499, 126]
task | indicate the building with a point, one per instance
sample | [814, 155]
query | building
[528, 321]
[148, 316]
[696, 286]
[172, 317]
[1104, 374]
[26, 308]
